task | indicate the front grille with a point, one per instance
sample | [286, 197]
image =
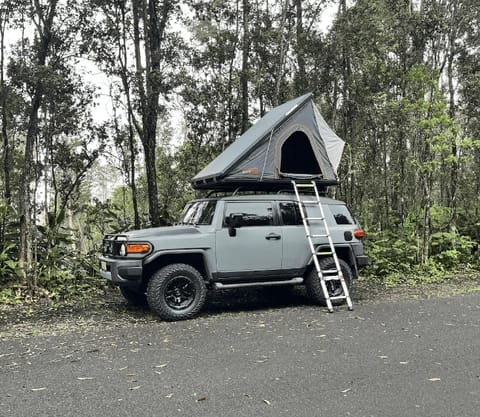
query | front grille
[111, 244]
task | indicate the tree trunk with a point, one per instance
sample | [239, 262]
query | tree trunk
[132, 122]
[25, 206]
[3, 103]
[427, 224]
[149, 87]
[244, 73]
[133, 186]
[281, 54]
[300, 81]
[452, 188]
[4, 130]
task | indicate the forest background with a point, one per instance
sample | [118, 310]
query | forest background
[398, 80]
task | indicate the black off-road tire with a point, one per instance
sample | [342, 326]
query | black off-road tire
[314, 288]
[134, 298]
[176, 292]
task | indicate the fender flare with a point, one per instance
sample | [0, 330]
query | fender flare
[197, 251]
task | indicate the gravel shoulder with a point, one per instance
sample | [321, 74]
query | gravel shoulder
[109, 310]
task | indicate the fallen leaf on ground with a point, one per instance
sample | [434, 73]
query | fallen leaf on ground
[163, 365]
[267, 402]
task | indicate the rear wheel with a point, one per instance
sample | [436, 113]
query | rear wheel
[176, 292]
[314, 288]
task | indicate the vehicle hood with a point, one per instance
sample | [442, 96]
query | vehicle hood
[145, 234]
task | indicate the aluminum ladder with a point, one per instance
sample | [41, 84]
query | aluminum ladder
[325, 275]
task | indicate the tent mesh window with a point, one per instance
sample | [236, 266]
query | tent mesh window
[298, 156]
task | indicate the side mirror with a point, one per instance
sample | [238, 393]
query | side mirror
[234, 221]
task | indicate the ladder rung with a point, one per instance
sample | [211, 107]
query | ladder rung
[330, 271]
[323, 235]
[314, 218]
[332, 278]
[339, 297]
[323, 253]
[310, 202]
[306, 185]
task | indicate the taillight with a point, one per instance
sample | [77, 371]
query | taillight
[359, 233]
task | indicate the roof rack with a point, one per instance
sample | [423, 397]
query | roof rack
[256, 189]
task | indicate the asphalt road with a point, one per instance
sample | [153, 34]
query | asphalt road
[407, 358]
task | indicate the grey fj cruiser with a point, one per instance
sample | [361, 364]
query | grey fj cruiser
[230, 242]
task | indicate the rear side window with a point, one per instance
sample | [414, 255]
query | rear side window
[341, 214]
[290, 214]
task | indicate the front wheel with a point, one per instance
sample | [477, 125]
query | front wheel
[176, 292]
[314, 288]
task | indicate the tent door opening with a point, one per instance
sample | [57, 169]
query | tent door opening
[298, 157]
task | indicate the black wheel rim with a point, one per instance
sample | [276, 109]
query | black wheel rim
[334, 288]
[180, 293]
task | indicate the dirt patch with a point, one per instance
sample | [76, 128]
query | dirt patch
[110, 310]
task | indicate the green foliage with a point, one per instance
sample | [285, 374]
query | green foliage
[395, 257]
[453, 251]
[9, 270]
[14, 294]
[67, 264]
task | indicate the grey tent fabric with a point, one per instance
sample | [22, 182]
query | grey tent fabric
[291, 141]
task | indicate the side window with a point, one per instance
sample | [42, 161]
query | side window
[205, 212]
[290, 214]
[199, 212]
[341, 214]
[254, 213]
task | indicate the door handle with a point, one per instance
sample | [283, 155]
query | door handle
[272, 236]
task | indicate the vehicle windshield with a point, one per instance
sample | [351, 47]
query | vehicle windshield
[199, 212]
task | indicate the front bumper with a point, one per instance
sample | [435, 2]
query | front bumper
[121, 271]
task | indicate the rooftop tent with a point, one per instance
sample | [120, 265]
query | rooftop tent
[290, 141]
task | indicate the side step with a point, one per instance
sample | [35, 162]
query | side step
[293, 281]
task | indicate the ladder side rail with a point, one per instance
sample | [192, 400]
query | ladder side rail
[305, 224]
[346, 292]
[312, 247]
[327, 232]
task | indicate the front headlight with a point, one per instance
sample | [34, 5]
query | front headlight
[123, 249]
